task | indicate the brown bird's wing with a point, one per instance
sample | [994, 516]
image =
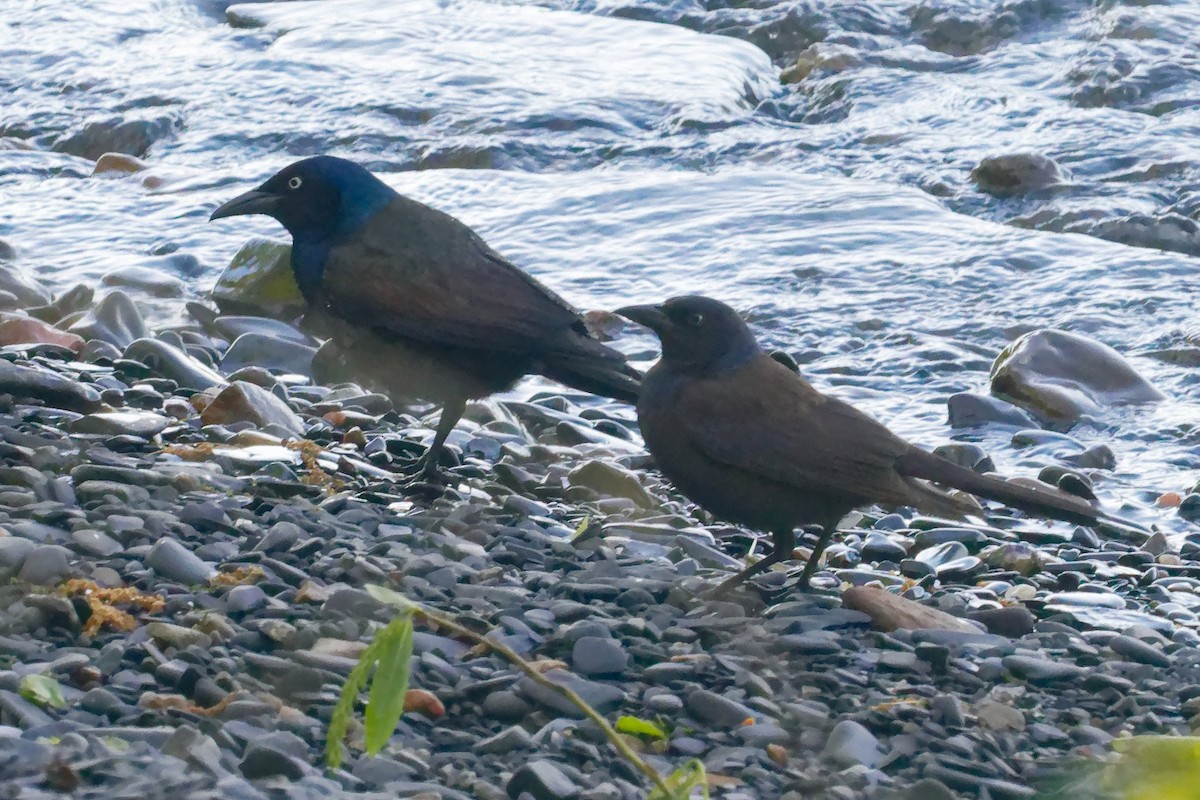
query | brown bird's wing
[422, 274]
[768, 421]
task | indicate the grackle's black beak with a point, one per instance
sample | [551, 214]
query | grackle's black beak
[650, 316]
[252, 202]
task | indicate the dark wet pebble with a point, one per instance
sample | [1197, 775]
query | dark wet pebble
[175, 562]
[1042, 670]
[594, 655]
[1140, 651]
[717, 709]
[542, 780]
[968, 410]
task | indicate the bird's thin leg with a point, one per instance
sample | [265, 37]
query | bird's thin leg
[451, 413]
[814, 560]
[785, 543]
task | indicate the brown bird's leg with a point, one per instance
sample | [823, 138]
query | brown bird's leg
[785, 543]
[427, 467]
[814, 560]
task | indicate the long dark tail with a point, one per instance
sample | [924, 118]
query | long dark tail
[1048, 502]
[605, 377]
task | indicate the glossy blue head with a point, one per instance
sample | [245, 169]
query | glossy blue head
[319, 200]
[699, 335]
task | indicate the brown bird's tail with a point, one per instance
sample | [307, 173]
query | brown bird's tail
[1048, 502]
[604, 377]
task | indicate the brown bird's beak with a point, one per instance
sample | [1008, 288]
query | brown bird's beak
[252, 202]
[651, 317]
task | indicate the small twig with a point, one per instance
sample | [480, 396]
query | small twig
[520, 663]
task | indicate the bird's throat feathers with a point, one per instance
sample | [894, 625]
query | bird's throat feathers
[361, 197]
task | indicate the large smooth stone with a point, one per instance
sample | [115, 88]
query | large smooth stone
[52, 389]
[968, 410]
[171, 362]
[122, 423]
[145, 279]
[259, 280]
[1016, 174]
[1060, 377]
[230, 327]
[115, 319]
[20, 329]
[26, 291]
[268, 352]
[610, 480]
[132, 136]
[245, 402]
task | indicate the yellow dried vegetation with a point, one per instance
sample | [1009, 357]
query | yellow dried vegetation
[103, 602]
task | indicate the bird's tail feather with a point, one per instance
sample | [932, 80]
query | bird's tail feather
[607, 378]
[1048, 502]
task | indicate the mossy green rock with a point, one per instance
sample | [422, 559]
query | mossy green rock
[609, 480]
[1060, 377]
[259, 281]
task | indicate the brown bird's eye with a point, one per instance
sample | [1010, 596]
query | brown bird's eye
[696, 320]
[294, 183]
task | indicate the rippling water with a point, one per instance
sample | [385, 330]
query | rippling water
[629, 151]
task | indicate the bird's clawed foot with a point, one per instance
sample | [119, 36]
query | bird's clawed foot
[427, 477]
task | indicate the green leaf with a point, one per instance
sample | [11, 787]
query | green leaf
[43, 690]
[640, 727]
[1154, 768]
[682, 781]
[389, 597]
[385, 704]
[581, 529]
[343, 712]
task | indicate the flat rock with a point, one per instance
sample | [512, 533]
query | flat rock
[1042, 670]
[268, 352]
[601, 696]
[48, 387]
[968, 410]
[716, 709]
[1139, 651]
[121, 423]
[171, 362]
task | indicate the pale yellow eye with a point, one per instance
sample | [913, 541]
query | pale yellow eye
[696, 320]
[294, 183]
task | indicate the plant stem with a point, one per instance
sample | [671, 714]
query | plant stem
[617, 740]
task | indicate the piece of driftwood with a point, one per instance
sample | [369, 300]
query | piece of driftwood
[891, 611]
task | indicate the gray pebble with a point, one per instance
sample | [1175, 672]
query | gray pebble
[1041, 670]
[543, 780]
[47, 565]
[1139, 651]
[851, 744]
[244, 599]
[716, 709]
[13, 552]
[593, 655]
[506, 741]
[175, 562]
